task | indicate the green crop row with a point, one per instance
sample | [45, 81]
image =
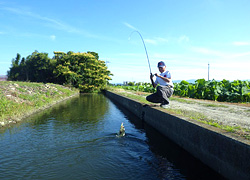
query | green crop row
[235, 91]
[225, 91]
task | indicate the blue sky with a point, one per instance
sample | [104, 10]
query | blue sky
[186, 35]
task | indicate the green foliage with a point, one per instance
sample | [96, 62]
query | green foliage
[36, 67]
[236, 91]
[81, 70]
[94, 54]
[39, 67]
[131, 84]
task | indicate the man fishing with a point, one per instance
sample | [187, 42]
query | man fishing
[165, 88]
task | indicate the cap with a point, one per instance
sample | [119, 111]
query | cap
[161, 64]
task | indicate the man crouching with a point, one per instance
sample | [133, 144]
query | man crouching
[165, 88]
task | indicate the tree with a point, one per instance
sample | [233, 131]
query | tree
[39, 67]
[94, 54]
[14, 72]
[81, 70]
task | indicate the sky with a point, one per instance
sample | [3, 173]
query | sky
[186, 35]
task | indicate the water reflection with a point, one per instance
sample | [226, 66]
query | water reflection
[77, 140]
[86, 108]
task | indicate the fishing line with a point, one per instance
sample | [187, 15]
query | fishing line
[144, 48]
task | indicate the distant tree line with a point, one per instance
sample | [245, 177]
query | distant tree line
[81, 70]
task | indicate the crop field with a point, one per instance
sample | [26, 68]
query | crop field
[224, 91]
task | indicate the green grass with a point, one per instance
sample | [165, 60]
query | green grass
[18, 98]
[182, 100]
[215, 105]
[135, 97]
[243, 132]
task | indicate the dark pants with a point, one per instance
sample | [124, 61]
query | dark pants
[161, 96]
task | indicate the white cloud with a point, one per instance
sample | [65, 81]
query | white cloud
[183, 38]
[241, 43]
[220, 54]
[182, 66]
[237, 55]
[203, 50]
[156, 41]
[50, 22]
[159, 39]
[53, 37]
[151, 41]
[230, 70]
[130, 26]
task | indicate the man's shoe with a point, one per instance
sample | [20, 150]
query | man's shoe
[165, 106]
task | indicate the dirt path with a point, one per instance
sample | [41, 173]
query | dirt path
[231, 114]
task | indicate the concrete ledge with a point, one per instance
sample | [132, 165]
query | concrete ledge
[228, 156]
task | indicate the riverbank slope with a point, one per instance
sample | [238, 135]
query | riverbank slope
[21, 99]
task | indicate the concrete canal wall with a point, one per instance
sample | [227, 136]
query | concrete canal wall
[228, 156]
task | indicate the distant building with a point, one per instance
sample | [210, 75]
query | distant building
[3, 78]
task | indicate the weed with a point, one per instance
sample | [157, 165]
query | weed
[24, 97]
[214, 105]
[182, 100]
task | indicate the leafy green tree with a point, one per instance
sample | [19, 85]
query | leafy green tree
[23, 70]
[38, 66]
[18, 57]
[14, 72]
[94, 54]
[81, 70]
[131, 83]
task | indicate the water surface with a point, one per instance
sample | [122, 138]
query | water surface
[77, 140]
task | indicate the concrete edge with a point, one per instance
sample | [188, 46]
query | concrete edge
[224, 154]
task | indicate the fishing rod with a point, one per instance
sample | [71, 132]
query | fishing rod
[144, 48]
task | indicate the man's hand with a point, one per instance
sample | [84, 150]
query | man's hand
[164, 78]
[151, 76]
[152, 81]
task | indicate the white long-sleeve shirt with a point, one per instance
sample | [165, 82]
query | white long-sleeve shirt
[160, 81]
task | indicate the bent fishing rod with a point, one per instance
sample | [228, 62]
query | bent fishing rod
[144, 48]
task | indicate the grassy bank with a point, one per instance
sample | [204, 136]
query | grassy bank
[19, 99]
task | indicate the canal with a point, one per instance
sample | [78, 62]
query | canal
[77, 139]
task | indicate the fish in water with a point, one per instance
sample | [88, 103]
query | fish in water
[122, 131]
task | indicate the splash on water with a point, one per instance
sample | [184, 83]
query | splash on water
[121, 132]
